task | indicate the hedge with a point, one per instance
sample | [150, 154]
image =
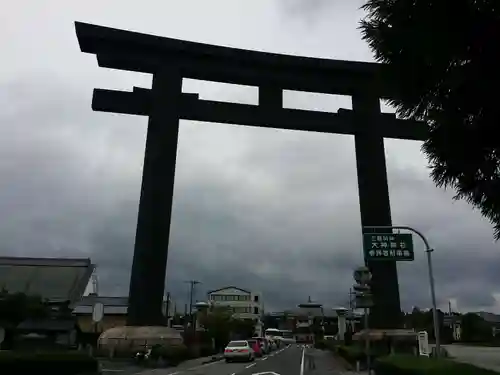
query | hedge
[355, 353]
[173, 355]
[413, 365]
[68, 363]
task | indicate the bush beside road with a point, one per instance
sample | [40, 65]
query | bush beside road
[67, 363]
[413, 365]
[406, 364]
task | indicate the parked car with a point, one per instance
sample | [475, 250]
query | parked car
[239, 351]
[254, 344]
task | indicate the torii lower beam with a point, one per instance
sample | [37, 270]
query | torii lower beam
[138, 102]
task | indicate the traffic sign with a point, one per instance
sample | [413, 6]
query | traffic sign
[388, 246]
[98, 312]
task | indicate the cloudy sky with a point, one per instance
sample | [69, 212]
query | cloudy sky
[271, 210]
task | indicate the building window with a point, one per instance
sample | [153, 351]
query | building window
[255, 310]
[256, 298]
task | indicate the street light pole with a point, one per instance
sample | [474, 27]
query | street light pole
[428, 251]
[363, 276]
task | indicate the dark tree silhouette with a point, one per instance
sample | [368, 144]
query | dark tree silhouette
[443, 62]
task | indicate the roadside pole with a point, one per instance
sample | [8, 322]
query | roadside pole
[428, 251]
[367, 342]
[362, 291]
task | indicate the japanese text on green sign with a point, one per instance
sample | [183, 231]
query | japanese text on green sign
[388, 246]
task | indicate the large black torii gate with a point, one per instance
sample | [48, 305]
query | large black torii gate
[171, 60]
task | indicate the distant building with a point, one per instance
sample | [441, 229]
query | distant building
[243, 303]
[309, 317]
[114, 312]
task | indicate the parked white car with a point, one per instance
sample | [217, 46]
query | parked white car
[239, 351]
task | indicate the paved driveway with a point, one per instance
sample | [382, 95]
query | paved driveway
[477, 355]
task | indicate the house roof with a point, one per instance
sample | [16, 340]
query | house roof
[489, 317]
[54, 279]
[229, 287]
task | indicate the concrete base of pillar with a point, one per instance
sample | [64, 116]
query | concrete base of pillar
[127, 340]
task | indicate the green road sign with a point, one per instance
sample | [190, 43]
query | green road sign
[388, 246]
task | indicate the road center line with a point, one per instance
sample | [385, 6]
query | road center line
[302, 362]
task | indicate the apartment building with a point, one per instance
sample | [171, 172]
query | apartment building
[243, 303]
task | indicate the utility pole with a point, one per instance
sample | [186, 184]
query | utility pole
[364, 300]
[351, 299]
[192, 285]
[167, 307]
[428, 251]
[352, 296]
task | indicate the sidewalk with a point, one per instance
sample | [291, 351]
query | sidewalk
[322, 362]
[199, 361]
[186, 365]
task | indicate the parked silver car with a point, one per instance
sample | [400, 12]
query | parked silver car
[239, 351]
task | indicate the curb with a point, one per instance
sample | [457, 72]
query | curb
[214, 359]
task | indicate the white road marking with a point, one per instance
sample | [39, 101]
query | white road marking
[253, 364]
[111, 370]
[200, 366]
[302, 362]
[263, 359]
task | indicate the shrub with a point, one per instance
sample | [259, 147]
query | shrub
[413, 365]
[320, 344]
[355, 353]
[174, 354]
[68, 363]
[351, 353]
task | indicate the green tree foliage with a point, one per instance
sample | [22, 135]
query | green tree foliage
[420, 320]
[443, 59]
[475, 329]
[222, 326]
[242, 327]
[217, 322]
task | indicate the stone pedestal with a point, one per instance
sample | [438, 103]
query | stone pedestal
[341, 322]
[390, 341]
[128, 340]
[341, 327]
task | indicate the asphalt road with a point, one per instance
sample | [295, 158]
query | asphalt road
[286, 361]
[479, 356]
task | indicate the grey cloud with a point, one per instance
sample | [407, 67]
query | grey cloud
[271, 210]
